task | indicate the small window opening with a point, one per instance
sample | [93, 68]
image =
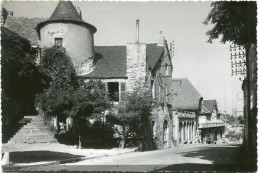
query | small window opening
[113, 91]
[167, 69]
[153, 89]
[58, 42]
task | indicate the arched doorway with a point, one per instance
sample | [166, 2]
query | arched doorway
[165, 134]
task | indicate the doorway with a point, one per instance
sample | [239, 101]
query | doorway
[165, 134]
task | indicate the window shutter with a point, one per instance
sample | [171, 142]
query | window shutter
[123, 89]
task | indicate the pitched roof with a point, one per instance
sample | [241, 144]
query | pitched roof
[111, 60]
[24, 27]
[223, 118]
[153, 53]
[66, 12]
[208, 106]
[185, 95]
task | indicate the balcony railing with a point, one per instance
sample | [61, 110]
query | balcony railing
[215, 124]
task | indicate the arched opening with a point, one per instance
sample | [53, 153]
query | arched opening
[165, 134]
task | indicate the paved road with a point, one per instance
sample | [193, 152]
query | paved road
[198, 157]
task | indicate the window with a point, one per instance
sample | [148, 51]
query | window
[113, 91]
[153, 128]
[153, 89]
[168, 96]
[58, 42]
[166, 69]
[159, 92]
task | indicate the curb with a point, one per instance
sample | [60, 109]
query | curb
[56, 162]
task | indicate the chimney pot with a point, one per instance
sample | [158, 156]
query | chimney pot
[137, 31]
[161, 39]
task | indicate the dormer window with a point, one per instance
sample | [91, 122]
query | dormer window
[58, 42]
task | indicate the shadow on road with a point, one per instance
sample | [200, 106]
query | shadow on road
[223, 158]
[207, 167]
[39, 156]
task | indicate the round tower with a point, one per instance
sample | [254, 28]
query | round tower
[65, 28]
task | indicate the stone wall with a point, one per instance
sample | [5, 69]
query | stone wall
[136, 64]
[184, 122]
[159, 116]
[77, 40]
[162, 88]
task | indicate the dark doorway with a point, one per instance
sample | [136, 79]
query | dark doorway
[165, 134]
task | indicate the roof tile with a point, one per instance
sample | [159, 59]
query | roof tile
[65, 11]
[208, 106]
[25, 27]
[111, 60]
[185, 95]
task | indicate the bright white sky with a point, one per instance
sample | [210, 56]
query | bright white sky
[206, 65]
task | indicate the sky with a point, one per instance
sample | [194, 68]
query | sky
[207, 66]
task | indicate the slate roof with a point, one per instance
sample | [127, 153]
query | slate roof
[24, 27]
[153, 53]
[66, 12]
[12, 44]
[111, 60]
[207, 106]
[222, 117]
[185, 95]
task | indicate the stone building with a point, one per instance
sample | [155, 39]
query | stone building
[211, 126]
[186, 105]
[119, 67]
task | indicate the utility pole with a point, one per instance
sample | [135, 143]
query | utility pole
[240, 66]
[249, 118]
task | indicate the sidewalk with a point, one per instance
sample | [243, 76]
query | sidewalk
[53, 153]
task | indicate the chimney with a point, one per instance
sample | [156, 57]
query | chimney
[161, 39]
[79, 11]
[135, 62]
[137, 31]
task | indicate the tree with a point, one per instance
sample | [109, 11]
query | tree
[234, 21]
[21, 80]
[132, 117]
[68, 95]
[57, 65]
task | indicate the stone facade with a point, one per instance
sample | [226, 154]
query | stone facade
[161, 88]
[76, 39]
[136, 64]
[211, 127]
[185, 127]
[162, 127]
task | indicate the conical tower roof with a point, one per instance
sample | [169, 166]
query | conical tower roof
[65, 12]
